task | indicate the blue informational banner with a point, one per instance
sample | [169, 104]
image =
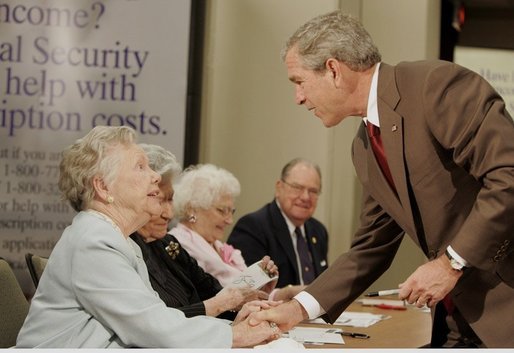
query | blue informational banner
[65, 67]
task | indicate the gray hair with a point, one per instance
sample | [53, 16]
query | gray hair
[88, 157]
[287, 168]
[201, 185]
[162, 162]
[333, 35]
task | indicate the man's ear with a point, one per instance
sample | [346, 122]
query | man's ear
[277, 186]
[332, 66]
[333, 69]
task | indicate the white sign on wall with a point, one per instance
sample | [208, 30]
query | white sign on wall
[495, 65]
[65, 67]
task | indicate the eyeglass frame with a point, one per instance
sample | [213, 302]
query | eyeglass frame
[300, 189]
[225, 211]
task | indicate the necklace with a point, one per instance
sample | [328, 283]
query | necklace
[106, 218]
[129, 241]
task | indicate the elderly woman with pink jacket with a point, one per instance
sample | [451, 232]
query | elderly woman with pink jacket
[204, 203]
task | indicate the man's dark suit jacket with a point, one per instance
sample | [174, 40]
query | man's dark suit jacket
[180, 282]
[265, 232]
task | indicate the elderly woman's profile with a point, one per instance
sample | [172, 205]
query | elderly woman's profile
[178, 279]
[95, 291]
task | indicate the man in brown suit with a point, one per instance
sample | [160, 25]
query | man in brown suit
[447, 180]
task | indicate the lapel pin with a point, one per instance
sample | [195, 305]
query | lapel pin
[394, 128]
[314, 240]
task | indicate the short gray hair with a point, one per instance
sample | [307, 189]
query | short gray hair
[162, 162]
[289, 165]
[333, 35]
[88, 157]
[201, 185]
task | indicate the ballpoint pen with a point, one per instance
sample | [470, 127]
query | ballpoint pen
[383, 292]
[392, 307]
[354, 334]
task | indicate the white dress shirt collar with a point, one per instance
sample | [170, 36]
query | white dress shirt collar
[290, 224]
[372, 110]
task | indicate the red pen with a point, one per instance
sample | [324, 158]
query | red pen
[391, 307]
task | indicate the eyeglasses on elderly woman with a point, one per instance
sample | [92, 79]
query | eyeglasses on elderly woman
[225, 211]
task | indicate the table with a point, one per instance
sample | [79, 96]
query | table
[409, 328]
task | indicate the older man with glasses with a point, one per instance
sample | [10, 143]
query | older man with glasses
[285, 230]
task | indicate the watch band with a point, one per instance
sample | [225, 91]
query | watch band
[454, 263]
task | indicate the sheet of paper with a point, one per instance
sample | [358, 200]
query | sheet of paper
[315, 335]
[254, 277]
[355, 319]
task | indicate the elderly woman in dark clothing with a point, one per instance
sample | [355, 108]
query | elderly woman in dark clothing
[174, 274]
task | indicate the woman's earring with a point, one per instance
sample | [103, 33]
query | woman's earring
[191, 219]
[110, 199]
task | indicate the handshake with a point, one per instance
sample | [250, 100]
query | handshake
[262, 321]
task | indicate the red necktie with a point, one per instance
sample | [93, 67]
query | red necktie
[306, 269]
[378, 151]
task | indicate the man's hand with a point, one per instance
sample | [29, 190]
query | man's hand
[430, 283]
[287, 293]
[253, 306]
[286, 315]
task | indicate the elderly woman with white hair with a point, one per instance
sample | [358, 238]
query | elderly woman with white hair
[204, 204]
[95, 292]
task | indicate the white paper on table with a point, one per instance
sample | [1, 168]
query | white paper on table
[354, 319]
[283, 343]
[253, 276]
[315, 335]
[357, 319]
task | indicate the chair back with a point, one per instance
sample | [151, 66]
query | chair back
[13, 306]
[36, 265]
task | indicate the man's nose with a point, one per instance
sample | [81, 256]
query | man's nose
[305, 194]
[299, 96]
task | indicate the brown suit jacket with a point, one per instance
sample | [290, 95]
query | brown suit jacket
[450, 146]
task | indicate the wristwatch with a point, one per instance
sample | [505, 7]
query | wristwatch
[454, 263]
